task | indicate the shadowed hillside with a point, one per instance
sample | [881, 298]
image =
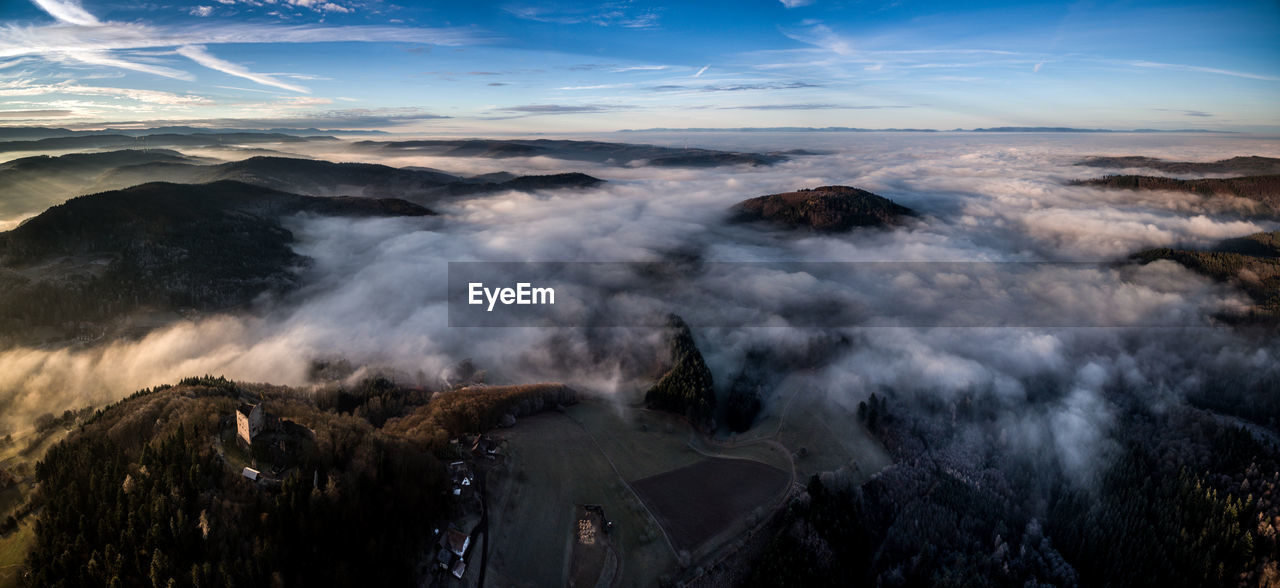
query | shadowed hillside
[166, 246]
[32, 184]
[324, 178]
[686, 388]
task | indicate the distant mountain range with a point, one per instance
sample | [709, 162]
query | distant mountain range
[594, 151]
[32, 184]
[896, 130]
[33, 133]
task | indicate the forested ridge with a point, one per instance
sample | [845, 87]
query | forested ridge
[1244, 165]
[159, 245]
[149, 491]
[686, 388]
[1184, 499]
[1252, 263]
[1265, 190]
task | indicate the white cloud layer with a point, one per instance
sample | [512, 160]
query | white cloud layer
[375, 293]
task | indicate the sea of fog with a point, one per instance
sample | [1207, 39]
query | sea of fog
[375, 295]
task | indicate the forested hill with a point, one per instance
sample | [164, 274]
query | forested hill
[149, 491]
[1265, 190]
[1251, 263]
[828, 208]
[1246, 165]
[686, 388]
[158, 245]
[173, 213]
[309, 176]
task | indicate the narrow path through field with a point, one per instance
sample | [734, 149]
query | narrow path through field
[627, 485]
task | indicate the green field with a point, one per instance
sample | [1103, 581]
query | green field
[553, 465]
[644, 443]
[590, 455]
[20, 458]
[13, 550]
[821, 436]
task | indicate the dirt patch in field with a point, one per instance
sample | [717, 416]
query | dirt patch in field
[698, 501]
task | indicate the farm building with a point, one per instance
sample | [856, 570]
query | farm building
[457, 542]
[451, 556]
[484, 445]
[462, 477]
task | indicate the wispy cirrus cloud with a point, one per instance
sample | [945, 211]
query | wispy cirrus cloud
[374, 118]
[835, 48]
[596, 87]
[819, 106]
[530, 109]
[640, 68]
[80, 37]
[321, 6]
[68, 11]
[41, 113]
[104, 58]
[821, 36]
[23, 87]
[607, 14]
[18, 40]
[199, 55]
[1195, 113]
[735, 87]
[1201, 69]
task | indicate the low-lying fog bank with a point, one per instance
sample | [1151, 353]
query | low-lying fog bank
[375, 293]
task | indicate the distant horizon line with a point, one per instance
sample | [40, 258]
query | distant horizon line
[1006, 129]
[128, 128]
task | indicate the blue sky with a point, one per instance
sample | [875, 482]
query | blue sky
[534, 66]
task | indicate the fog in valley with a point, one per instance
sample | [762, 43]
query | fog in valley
[375, 292]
